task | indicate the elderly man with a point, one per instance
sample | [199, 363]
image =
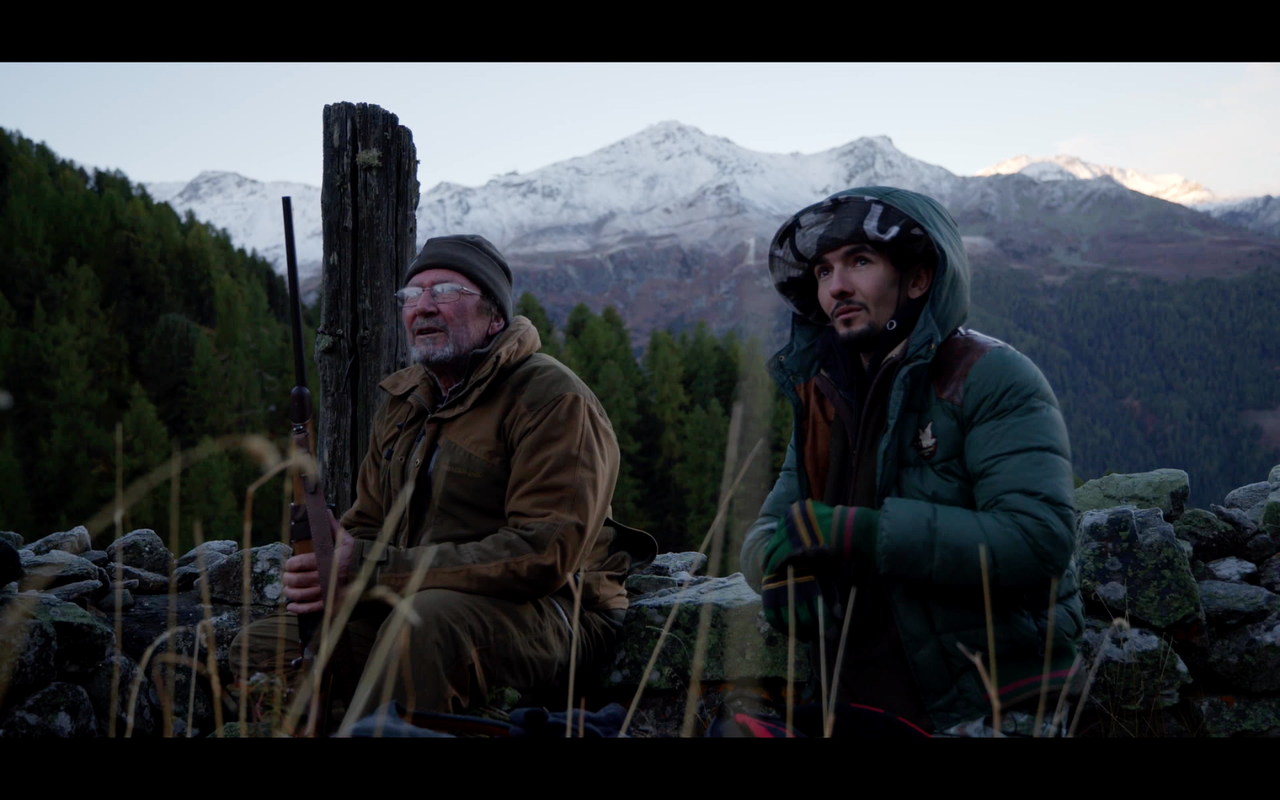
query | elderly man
[513, 462]
[916, 442]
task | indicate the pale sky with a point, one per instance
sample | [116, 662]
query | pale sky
[1218, 124]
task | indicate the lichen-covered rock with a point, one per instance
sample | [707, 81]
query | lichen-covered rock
[14, 539]
[1246, 498]
[1269, 574]
[1139, 670]
[60, 710]
[74, 541]
[739, 643]
[145, 714]
[220, 547]
[1239, 715]
[83, 641]
[145, 582]
[55, 568]
[76, 592]
[27, 649]
[1210, 536]
[1259, 548]
[266, 576]
[226, 622]
[1229, 605]
[1233, 570]
[188, 574]
[1236, 519]
[148, 620]
[108, 601]
[1249, 656]
[1270, 510]
[1130, 559]
[638, 585]
[671, 564]
[1165, 489]
[202, 718]
[143, 549]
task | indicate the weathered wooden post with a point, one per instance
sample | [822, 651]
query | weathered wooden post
[369, 203]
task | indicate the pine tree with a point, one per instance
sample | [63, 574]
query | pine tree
[15, 507]
[15, 503]
[77, 453]
[702, 366]
[528, 306]
[699, 472]
[208, 494]
[146, 447]
[664, 405]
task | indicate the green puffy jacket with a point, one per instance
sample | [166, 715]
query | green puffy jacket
[1000, 476]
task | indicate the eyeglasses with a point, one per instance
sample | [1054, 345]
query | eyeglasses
[440, 293]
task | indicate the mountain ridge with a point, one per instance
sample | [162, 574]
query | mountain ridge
[672, 203]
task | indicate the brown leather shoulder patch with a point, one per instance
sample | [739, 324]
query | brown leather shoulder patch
[956, 356]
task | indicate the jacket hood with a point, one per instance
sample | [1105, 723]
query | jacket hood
[906, 221]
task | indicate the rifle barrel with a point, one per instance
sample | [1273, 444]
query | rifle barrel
[299, 363]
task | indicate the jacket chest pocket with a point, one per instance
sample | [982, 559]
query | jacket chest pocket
[468, 492]
[403, 453]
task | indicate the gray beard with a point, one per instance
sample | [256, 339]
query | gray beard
[452, 356]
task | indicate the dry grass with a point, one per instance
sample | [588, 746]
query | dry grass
[381, 662]
[653, 657]
[791, 643]
[830, 718]
[337, 622]
[717, 547]
[576, 586]
[1048, 658]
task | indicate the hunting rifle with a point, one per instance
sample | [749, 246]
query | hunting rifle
[309, 513]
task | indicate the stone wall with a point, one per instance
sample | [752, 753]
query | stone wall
[1182, 639]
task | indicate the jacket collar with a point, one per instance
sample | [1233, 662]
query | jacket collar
[514, 344]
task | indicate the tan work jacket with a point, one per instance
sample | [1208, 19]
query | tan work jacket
[513, 477]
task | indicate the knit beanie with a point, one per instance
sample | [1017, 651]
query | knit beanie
[473, 256]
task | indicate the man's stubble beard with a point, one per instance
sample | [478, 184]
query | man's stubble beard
[449, 356]
[860, 340]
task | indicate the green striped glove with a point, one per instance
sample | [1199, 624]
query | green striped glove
[812, 587]
[815, 528]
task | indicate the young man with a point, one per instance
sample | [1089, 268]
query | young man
[915, 442]
[513, 461]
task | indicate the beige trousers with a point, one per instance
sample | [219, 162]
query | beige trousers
[460, 648]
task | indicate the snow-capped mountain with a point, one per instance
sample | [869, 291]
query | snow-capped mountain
[674, 189]
[1174, 188]
[1260, 214]
[250, 211]
[670, 180]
